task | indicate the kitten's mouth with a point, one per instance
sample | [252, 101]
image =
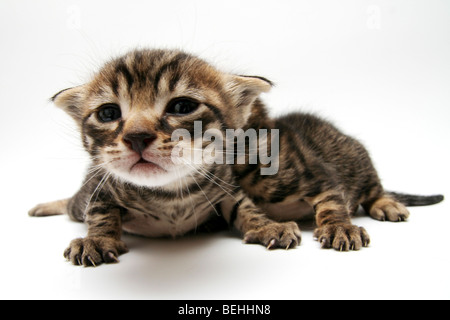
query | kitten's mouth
[147, 166]
[142, 160]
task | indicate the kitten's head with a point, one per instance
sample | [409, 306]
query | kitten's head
[130, 109]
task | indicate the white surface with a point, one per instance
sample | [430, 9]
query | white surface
[379, 69]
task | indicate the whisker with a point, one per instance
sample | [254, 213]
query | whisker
[94, 174]
[229, 192]
[250, 151]
[95, 168]
[192, 203]
[212, 175]
[179, 184]
[204, 194]
[99, 187]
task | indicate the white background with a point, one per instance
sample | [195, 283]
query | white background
[380, 70]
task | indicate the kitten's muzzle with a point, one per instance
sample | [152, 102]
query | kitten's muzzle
[139, 141]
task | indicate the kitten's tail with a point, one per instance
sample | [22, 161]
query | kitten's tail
[410, 200]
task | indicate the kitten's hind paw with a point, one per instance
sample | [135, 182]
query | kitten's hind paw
[49, 209]
[275, 235]
[388, 209]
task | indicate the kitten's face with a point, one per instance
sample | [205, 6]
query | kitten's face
[128, 112]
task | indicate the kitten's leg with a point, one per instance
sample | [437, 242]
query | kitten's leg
[335, 229]
[102, 243]
[74, 207]
[257, 227]
[50, 208]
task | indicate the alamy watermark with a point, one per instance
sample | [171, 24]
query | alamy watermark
[236, 147]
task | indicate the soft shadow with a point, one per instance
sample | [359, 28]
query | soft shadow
[172, 267]
[165, 267]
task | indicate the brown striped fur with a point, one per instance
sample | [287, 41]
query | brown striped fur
[126, 119]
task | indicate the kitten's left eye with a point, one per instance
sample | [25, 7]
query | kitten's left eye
[109, 112]
[181, 106]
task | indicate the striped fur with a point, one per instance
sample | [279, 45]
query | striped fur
[126, 119]
[158, 197]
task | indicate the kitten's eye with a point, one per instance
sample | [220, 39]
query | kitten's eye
[109, 112]
[181, 106]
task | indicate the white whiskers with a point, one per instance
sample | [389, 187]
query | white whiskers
[97, 190]
[211, 177]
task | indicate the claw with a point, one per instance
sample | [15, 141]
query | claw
[271, 244]
[112, 256]
[323, 243]
[91, 261]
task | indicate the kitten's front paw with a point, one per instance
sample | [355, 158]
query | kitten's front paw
[342, 237]
[275, 235]
[92, 251]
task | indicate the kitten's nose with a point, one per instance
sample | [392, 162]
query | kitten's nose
[139, 141]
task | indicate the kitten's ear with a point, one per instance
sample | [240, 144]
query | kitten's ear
[245, 89]
[70, 100]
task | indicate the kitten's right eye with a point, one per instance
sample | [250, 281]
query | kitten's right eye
[109, 112]
[181, 106]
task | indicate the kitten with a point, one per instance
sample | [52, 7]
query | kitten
[146, 119]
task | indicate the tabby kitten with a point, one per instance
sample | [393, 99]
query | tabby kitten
[141, 183]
